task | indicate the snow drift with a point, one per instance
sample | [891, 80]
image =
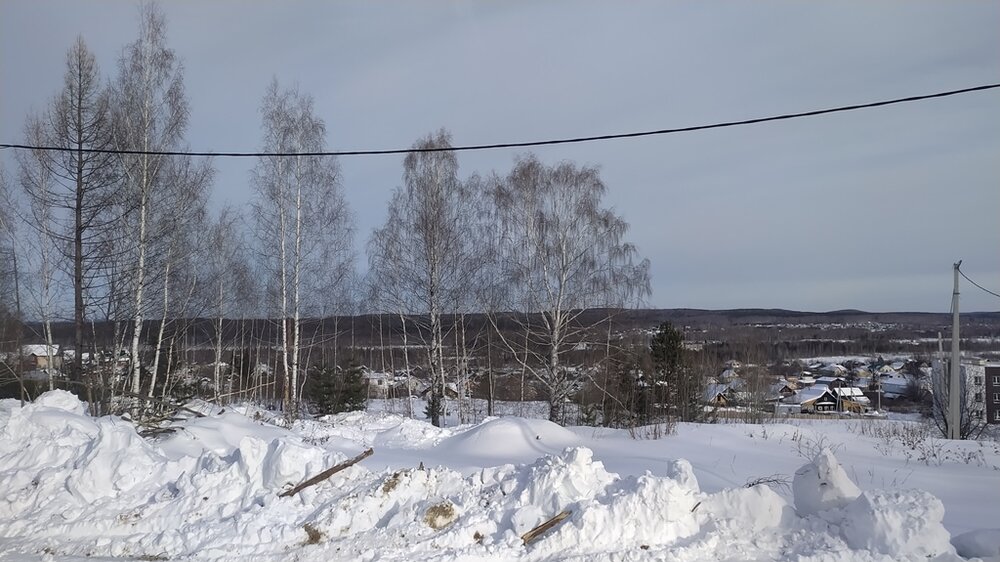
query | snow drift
[71, 485]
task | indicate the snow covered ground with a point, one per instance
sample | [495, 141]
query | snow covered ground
[74, 488]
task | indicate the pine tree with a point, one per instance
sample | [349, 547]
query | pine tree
[354, 393]
[333, 392]
[676, 384]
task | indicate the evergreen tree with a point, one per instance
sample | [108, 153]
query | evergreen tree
[354, 392]
[675, 384]
[333, 392]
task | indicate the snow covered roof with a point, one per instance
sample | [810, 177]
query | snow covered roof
[808, 395]
[848, 391]
[39, 350]
[712, 391]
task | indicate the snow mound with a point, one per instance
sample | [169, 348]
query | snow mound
[98, 485]
[751, 509]
[902, 524]
[643, 510]
[552, 483]
[821, 485]
[61, 400]
[220, 434]
[981, 543]
[511, 437]
[366, 429]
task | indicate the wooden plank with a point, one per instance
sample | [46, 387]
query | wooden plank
[327, 473]
[539, 530]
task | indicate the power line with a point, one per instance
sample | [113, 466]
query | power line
[572, 140]
[977, 284]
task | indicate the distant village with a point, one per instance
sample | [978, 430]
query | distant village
[848, 385]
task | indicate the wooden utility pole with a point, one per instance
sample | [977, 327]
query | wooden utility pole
[954, 380]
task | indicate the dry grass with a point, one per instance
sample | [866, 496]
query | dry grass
[315, 536]
[440, 515]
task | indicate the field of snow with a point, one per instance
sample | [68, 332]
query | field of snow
[74, 487]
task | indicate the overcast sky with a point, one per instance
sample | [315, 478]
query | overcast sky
[862, 210]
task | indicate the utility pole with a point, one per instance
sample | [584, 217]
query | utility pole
[954, 382]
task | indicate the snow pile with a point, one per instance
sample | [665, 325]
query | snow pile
[658, 511]
[906, 524]
[822, 485]
[98, 484]
[510, 437]
[77, 486]
[981, 543]
[550, 485]
[372, 430]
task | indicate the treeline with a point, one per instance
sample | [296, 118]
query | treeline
[113, 228]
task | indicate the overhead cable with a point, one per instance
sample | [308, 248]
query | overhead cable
[977, 284]
[524, 144]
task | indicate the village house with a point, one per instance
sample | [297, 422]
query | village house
[38, 356]
[814, 399]
[719, 395]
[851, 399]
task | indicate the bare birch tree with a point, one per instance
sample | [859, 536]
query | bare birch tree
[418, 259]
[178, 220]
[227, 279]
[151, 114]
[40, 251]
[10, 294]
[564, 253]
[303, 222]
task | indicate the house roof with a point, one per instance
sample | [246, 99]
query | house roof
[778, 389]
[40, 350]
[713, 391]
[810, 395]
[849, 391]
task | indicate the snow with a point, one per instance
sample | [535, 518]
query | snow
[981, 543]
[822, 485]
[75, 487]
[904, 524]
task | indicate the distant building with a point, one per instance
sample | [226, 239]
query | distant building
[992, 392]
[39, 356]
[814, 399]
[976, 401]
[852, 399]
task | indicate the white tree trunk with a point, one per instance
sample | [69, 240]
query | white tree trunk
[163, 326]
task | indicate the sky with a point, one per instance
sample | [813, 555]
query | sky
[865, 210]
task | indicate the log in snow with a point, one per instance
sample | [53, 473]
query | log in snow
[327, 473]
[537, 531]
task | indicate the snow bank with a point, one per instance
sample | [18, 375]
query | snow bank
[71, 485]
[511, 437]
[99, 486]
[372, 430]
[981, 543]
